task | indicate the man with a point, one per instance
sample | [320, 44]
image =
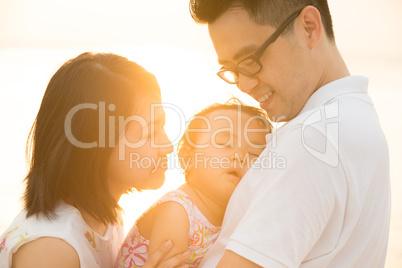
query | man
[328, 203]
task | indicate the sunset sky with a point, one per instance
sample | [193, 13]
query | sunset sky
[49, 23]
[36, 37]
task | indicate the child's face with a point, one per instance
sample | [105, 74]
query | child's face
[223, 149]
[139, 160]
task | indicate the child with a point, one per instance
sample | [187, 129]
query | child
[218, 147]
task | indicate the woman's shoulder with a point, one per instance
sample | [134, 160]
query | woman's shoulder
[64, 219]
[46, 252]
[31, 230]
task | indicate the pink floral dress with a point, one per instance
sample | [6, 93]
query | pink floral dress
[201, 236]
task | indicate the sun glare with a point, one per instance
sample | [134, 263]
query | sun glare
[36, 37]
[188, 83]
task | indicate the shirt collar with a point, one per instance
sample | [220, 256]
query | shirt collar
[346, 85]
[324, 95]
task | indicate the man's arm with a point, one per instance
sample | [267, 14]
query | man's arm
[232, 260]
[155, 259]
[290, 209]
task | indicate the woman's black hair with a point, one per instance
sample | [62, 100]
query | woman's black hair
[71, 140]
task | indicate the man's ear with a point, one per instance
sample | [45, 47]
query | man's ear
[311, 23]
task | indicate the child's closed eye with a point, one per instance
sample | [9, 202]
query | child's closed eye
[223, 145]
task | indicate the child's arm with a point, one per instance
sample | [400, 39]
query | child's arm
[170, 222]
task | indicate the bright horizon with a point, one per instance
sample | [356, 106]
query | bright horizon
[360, 26]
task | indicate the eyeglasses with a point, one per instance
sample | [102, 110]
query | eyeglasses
[252, 65]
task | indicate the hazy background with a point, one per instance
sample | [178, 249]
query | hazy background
[36, 37]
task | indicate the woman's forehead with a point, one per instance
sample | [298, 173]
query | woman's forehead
[150, 108]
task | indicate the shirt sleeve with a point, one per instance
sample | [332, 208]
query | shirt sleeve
[295, 203]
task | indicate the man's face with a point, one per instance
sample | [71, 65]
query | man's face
[281, 86]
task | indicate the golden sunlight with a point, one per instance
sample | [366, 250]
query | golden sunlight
[188, 83]
[36, 37]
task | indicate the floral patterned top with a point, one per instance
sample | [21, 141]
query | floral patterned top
[201, 236]
[93, 249]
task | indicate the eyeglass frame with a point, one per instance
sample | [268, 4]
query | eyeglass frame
[260, 51]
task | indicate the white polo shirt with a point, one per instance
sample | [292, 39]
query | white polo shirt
[319, 195]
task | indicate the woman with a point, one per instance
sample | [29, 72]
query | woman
[95, 114]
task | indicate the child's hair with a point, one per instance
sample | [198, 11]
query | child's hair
[233, 104]
[105, 85]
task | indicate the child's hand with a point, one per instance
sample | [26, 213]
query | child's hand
[174, 262]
